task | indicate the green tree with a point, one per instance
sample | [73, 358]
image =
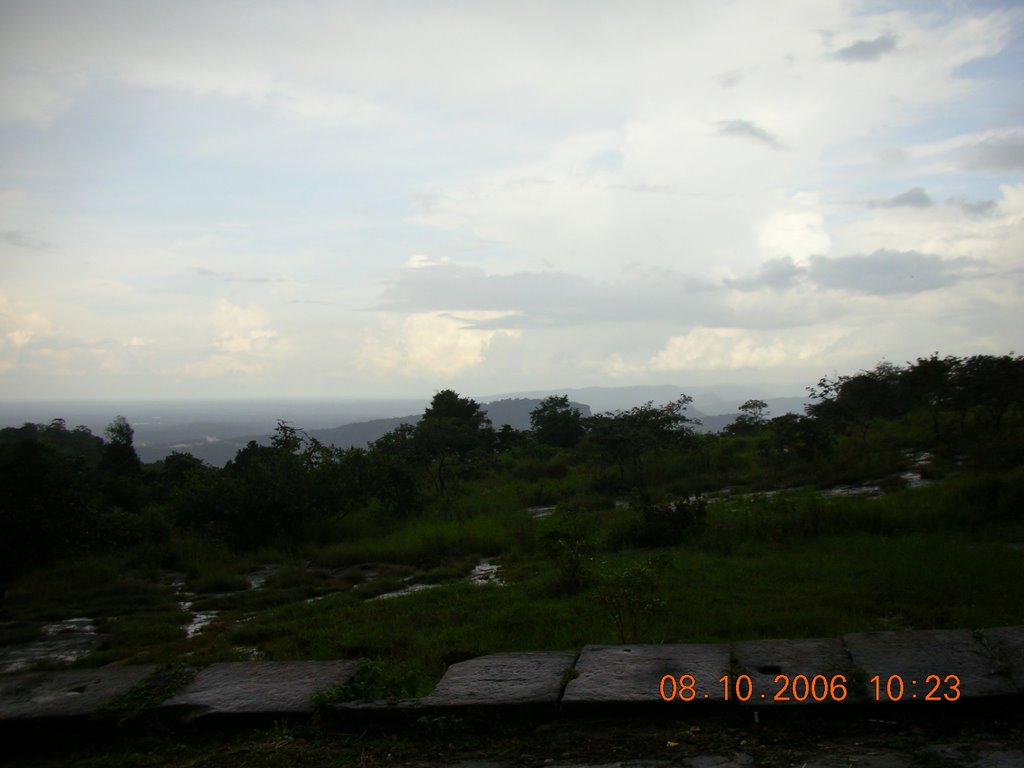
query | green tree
[751, 420]
[46, 505]
[120, 470]
[452, 433]
[990, 383]
[929, 384]
[854, 401]
[556, 422]
[626, 438]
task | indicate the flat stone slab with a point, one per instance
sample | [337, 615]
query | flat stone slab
[915, 655]
[1007, 645]
[71, 693]
[258, 688]
[775, 666]
[608, 674]
[503, 678]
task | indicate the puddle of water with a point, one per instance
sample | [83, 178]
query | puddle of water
[867, 491]
[540, 513]
[914, 479]
[404, 591]
[485, 573]
[64, 641]
[199, 620]
[258, 578]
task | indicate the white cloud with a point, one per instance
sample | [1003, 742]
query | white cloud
[243, 342]
[797, 234]
[215, 189]
[723, 349]
[421, 261]
[435, 344]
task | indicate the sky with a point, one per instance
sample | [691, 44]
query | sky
[384, 199]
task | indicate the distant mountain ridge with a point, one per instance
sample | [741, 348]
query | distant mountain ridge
[712, 409]
[512, 411]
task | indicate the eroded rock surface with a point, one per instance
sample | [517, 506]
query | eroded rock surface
[258, 688]
[74, 693]
[633, 673]
[914, 655]
[766, 660]
[503, 679]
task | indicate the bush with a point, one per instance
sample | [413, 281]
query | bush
[372, 681]
[665, 524]
[631, 596]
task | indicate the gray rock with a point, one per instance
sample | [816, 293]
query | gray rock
[738, 760]
[634, 673]
[1007, 645]
[915, 655]
[874, 758]
[257, 688]
[503, 678]
[74, 693]
[765, 660]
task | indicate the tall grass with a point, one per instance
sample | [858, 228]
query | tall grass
[430, 541]
[969, 503]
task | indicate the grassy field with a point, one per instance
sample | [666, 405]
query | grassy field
[790, 564]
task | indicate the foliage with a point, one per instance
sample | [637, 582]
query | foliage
[627, 438]
[451, 486]
[452, 434]
[665, 524]
[371, 681]
[752, 419]
[555, 422]
[631, 596]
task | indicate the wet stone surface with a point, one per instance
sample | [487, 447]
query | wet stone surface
[633, 673]
[63, 641]
[258, 578]
[258, 688]
[503, 679]
[411, 589]
[539, 513]
[485, 572]
[1007, 646]
[74, 693]
[914, 655]
[766, 660]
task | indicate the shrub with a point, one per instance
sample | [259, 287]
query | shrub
[664, 524]
[631, 596]
[372, 681]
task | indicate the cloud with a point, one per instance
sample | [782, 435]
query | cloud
[438, 344]
[646, 189]
[241, 340]
[796, 232]
[550, 299]
[912, 198]
[774, 274]
[241, 329]
[729, 79]
[975, 207]
[22, 240]
[1000, 154]
[718, 349]
[233, 278]
[747, 129]
[890, 272]
[868, 50]
[223, 365]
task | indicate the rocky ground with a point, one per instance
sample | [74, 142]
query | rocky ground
[989, 738]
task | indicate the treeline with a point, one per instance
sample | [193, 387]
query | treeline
[66, 490]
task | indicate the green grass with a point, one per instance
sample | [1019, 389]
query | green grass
[791, 565]
[430, 542]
